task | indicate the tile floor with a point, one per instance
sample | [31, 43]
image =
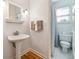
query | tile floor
[59, 54]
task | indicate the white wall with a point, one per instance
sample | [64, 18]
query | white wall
[9, 28]
[65, 27]
[41, 41]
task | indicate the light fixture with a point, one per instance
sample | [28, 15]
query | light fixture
[25, 12]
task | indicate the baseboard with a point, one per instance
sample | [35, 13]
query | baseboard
[35, 52]
[13, 58]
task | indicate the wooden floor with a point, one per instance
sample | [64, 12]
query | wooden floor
[30, 55]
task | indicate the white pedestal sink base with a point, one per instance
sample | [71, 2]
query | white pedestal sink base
[18, 48]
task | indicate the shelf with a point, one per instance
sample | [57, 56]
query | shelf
[14, 21]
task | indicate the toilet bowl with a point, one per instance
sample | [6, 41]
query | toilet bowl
[65, 46]
[65, 42]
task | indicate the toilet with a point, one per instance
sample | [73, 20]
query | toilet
[65, 46]
[65, 42]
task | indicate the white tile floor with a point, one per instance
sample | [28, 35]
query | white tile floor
[59, 54]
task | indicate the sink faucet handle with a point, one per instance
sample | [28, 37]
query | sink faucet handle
[16, 33]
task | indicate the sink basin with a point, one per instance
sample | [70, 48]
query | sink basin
[19, 37]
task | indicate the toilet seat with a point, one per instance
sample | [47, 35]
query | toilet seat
[65, 44]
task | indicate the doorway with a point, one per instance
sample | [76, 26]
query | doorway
[63, 29]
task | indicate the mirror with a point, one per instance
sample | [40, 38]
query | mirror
[16, 14]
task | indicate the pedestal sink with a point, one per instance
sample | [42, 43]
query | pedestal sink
[17, 39]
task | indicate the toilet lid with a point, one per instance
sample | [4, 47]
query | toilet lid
[64, 42]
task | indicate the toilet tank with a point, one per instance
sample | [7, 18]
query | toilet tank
[64, 37]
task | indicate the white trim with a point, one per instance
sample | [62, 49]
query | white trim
[15, 4]
[14, 21]
[34, 51]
